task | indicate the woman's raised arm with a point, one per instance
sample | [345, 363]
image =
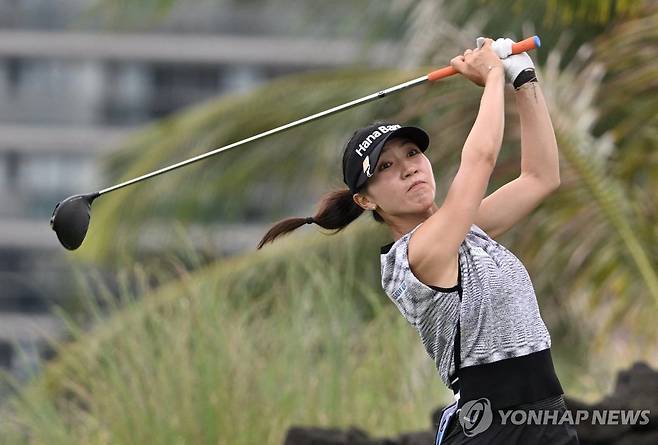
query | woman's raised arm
[539, 154]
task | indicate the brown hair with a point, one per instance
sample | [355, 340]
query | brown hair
[336, 210]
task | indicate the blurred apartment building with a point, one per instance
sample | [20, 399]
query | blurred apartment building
[70, 92]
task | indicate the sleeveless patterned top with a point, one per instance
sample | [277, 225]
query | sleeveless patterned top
[494, 302]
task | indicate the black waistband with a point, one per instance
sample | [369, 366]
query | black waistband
[509, 382]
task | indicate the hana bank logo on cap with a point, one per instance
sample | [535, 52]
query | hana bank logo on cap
[372, 137]
[366, 166]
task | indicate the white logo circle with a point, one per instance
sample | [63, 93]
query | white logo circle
[475, 416]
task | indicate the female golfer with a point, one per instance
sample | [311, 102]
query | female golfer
[470, 298]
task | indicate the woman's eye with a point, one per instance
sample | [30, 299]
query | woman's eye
[413, 150]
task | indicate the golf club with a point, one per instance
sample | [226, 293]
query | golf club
[70, 218]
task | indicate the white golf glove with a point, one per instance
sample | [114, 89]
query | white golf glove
[514, 63]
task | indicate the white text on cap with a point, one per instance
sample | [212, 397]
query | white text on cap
[374, 135]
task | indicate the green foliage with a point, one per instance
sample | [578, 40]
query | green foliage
[605, 201]
[207, 359]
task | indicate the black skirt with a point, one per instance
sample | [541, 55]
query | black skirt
[516, 432]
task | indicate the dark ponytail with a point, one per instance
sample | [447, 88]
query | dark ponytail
[337, 210]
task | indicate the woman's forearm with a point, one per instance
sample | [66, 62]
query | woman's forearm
[539, 153]
[486, 136]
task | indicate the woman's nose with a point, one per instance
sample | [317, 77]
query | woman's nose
[409, 169]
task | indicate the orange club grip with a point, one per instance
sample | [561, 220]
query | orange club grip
[526, 45]
[518, 47]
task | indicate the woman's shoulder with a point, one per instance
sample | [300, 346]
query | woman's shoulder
[390, 248]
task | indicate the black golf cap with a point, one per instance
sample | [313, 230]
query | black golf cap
[365, 146]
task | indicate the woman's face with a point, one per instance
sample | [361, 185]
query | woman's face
[400, 164]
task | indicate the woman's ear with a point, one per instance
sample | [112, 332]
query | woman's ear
[363, 202]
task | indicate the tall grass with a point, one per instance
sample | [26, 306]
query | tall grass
[220, 365]
[237, 351]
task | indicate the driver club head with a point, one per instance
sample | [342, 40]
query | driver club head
[70, 219]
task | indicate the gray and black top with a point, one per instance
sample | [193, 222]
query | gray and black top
[487, 327]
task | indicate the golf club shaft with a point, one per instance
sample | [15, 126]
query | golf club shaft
[296, 123]
[521, 46]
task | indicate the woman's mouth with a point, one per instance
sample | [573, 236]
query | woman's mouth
[415, 185]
